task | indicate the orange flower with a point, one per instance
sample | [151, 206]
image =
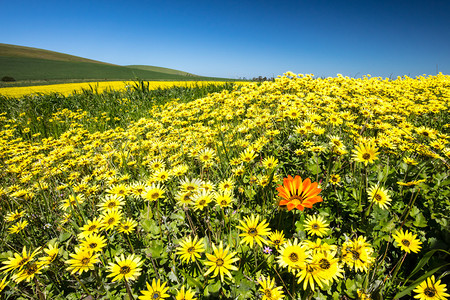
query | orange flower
[298, 194]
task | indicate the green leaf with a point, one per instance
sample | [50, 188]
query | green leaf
[417, 282]
[64, 236]
[212, 288]
[420, 221]
[190, 280]
[350, 286]
[423, 261]
[150, 226]
[414, 211]
[155, 248]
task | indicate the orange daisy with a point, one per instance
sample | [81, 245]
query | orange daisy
[298, 194]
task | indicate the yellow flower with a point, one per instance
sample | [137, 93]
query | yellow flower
[111, 201]
[380, 196]
[125, 268]
[221, 261]
[3, 284]
[335, 179]
[270, 162]
[201, 200]
[190, 250]
[119, 190]
[94, 243]
[82, 260]
[357, 254]
[184, 294]
[92, 226]
[110, 218]
[224, 199]
[277, 238]
[269, 290]
[316, 225]
[254, 231]
[292, 255]
[155, 291]
[19, 226]
[154, 192]
[310, 273]
[52, 252]
[18, 260]
[248, 155]
[127, 226]
[14, 215]
[365, 153]
[430, 289]
[407, 241]
[28, 272]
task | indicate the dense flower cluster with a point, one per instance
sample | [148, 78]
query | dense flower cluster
[315, 187]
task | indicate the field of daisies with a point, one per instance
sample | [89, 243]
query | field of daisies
[296, 188]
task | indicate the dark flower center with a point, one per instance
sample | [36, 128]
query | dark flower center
[293, 257]
[85, 261]
[31, 269]
[92, 245]
[23, 261]
[324, 264]
[125, 270]
[406, 242]
[252, 232]
[294, 197]
[430, 291]
[191, 250]
[366, 156]
[219, 262]
[355, 254]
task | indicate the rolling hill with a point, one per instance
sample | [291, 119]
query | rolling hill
[25, 63]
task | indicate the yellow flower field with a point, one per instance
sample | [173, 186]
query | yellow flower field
[68, 88]
[296, 188]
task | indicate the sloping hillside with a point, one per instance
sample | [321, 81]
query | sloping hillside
[25, 63]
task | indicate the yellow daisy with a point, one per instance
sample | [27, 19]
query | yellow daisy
[407, 241]
[155, 291]
[254, 231]
[430, 289]
[125, 268]
[221, 261]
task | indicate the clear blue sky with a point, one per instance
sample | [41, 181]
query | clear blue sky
[241, 38]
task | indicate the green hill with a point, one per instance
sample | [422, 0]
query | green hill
[7, 50]
[32, 64]
[160, 69]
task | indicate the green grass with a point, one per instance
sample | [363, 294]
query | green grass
[21, 51]
[161, 69]
[24, 68]
[29, 65]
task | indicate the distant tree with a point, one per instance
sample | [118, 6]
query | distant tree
[7, 79]
[261, 79]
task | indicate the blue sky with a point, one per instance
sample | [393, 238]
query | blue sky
[238, 39]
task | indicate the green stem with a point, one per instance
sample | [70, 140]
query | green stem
[130, 294]
[129, 243]
[82, 286]
[38, 290]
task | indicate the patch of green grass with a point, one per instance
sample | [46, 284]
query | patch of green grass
[24, 68]
[161, 69]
